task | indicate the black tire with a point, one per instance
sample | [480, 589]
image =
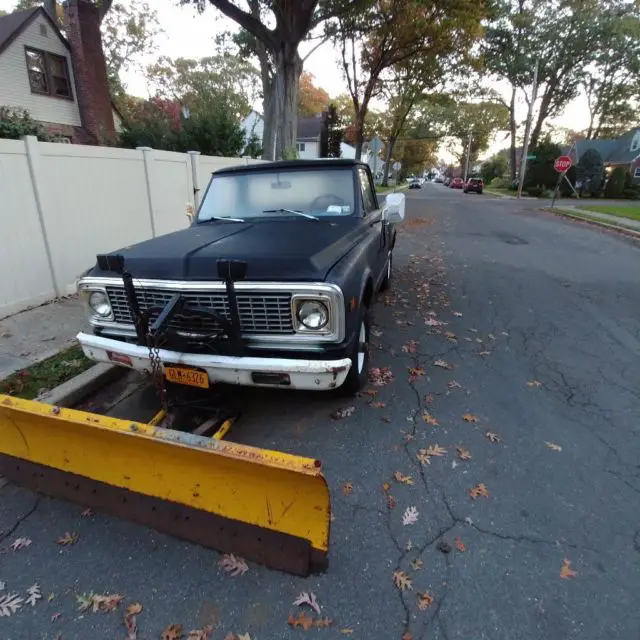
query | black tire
[386, 283]
[358, 375]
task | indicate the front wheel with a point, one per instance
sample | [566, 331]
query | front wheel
[358, 375]
[386, 283]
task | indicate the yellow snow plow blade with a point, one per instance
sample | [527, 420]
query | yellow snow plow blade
[266, 506]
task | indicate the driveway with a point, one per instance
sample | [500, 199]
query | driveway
[514, 341]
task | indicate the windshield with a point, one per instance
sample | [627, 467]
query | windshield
[319, 192]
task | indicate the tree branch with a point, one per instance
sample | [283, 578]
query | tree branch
[246, 21]
[316, 46]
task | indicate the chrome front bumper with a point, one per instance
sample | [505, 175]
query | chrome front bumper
[313, 375]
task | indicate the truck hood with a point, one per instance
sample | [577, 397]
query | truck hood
[284, 249]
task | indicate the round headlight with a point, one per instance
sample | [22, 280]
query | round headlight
[99, 303]
[313, 315]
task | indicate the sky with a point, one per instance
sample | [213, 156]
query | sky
[188, 34]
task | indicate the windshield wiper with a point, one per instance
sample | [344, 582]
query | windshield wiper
[294, 211]
[224, 218]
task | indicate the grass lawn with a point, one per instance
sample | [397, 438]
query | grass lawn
[381, 189]
[632, 212]
[46, 374]
[503, 192]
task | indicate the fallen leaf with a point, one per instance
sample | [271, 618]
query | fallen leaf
[484, 353]
[346, 631]
[106, 603]
[443, 364]
[173, 632]
[200, 634]
[230, 636]
[428, 398]
[376, 333]
[399, 477]
[233, 565]
[452, 384]
[380, 376]
[425, 600]
[463, 454]
[478, 490]
[9, 604]
[410, 516]
[408, 546]
[51, 597]
[244, 636]
[451, 336]
[402, 580]
[55, 617]
[469, 417]
[391, 502]
[386, 419]
[460, 545]
[303, 620]
[308, 598]
[457, 314]
[20, 543]
[131, 625]
[378, 405]
[416, 564]
[410, 347]
[429, 419]
[368, 392]
[322, 623]
[432, 322]
[566, 572]
[534, 383]
[347, 488]
[341, 414]
[67, 539]
[87, 513]
[552, 445]
[134, 609]
[415, 373]
[406, 636]
[33, 595]
[493, 437]
[425, 455]
[386, 486]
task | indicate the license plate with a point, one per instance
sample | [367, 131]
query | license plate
[190, 377]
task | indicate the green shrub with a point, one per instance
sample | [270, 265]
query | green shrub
[500, 183]
[632, 193]
[535, 191]
[615, 186]
[540, 171]
[16, 122]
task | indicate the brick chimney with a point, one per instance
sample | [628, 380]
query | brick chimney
[82, 28]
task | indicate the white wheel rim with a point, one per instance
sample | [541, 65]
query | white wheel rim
[389, 268]
[361, 347]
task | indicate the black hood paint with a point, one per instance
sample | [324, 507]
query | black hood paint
[283, 249]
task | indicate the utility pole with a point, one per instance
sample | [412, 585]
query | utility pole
[466, 167]
[527, 129]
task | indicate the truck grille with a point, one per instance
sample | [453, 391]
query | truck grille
[260, 312]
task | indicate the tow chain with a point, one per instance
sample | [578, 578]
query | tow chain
[157, 372]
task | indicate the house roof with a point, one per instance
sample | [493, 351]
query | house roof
[15, 23]
[309, 128]
[616, 151]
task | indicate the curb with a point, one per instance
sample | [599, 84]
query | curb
[73, 390]
[625, 231]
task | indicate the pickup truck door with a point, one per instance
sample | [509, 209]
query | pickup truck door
[378, 249]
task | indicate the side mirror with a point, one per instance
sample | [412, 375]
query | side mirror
[189, 211]
[394, 207]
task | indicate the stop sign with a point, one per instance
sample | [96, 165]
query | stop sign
[562, 164]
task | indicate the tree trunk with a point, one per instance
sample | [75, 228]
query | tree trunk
[359, 126]
[268, 136]
[512, 132]
[288, 70]
[387, 164]
[542, 116]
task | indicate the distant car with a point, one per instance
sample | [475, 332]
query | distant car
[439, 179]
[446, 181]
[474, 184]
[456, 183]
[415, 184]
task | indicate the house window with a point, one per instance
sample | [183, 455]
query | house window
[48, 74]
[635, 142]
[300, 146]
[636, 173]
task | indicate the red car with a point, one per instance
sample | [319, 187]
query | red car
[474, 184]
[456, 183]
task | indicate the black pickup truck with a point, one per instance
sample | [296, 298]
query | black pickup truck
[270, 285]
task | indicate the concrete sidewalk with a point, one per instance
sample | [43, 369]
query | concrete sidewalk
[627, 223]
[33, 335]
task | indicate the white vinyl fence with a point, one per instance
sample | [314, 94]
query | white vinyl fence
[62, 204]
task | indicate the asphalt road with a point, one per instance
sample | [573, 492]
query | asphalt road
[540, 328]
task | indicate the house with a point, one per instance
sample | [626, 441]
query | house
[61, 80]
[619, 152]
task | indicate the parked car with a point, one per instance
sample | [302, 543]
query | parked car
[446, 181]
[474, 184]
[456, 183]
[415, 183]
[439, 179]
[271, 285]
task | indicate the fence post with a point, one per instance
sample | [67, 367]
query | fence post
[147, 156]
[195, 166]
[33, 159]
